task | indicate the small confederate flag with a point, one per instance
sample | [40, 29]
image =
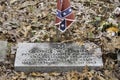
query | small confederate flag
[64, 15]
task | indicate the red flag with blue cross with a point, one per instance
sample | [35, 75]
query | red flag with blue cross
[64, 15]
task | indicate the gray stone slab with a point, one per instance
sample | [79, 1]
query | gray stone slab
[47, 57]
[3, 50]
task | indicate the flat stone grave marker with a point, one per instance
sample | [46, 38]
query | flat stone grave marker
[60, 57]
[3, 50]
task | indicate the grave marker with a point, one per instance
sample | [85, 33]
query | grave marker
[47, 57]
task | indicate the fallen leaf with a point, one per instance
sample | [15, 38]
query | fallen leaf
[23, 76]
[28, 3]
[113, 29]
[100, 78]
[35, 74]
[1, 8]
[54, 74]
[12, 1]
[25, 30]
[68, 76]
[116, 42]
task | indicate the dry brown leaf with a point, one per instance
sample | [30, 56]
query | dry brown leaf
[107, 46]
[23, 76]
[28, 3]
[100, 78]
[43, 14]
[72, 75]
[113, 29]
[68, 76]
[90, 75]
[74, 78]
[110, 75]
[25, 30]
[35, 74]
[75, 74]
[1, 8]
[12, 1]
[116, 42]
[54, 74]
[15, 77]
[86, 69]
[107, 73]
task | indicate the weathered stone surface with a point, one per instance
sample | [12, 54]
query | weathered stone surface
[3, 50]
[47, 57]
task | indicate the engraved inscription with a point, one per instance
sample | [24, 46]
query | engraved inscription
[57, 54]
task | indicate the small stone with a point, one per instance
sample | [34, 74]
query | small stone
[3, 50]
